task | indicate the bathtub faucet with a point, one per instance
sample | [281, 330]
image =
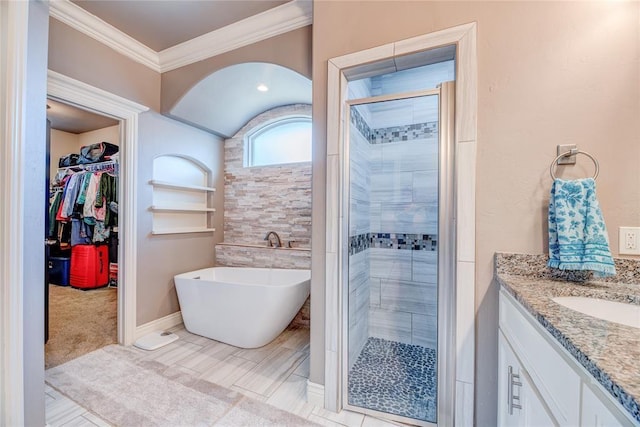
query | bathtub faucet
[268, 239]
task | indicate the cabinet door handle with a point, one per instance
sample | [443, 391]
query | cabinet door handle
[513, 380]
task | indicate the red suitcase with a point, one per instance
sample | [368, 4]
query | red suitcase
[89, 266]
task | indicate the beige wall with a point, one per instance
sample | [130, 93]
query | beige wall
[79, 56]
[548, 73]
[291, 50]
[109, 134]
[62, 143]
[160, 257]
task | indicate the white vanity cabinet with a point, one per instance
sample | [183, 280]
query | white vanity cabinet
[519, 402]
[540, 383]
[594, 411]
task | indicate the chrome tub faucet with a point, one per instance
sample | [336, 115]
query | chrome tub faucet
[268, 239]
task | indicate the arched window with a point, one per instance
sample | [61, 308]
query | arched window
[285, 140]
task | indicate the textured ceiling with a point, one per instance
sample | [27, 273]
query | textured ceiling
[160, 24]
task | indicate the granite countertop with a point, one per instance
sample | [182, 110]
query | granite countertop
[609, 351]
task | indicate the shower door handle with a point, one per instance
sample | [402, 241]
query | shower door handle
[513, 380]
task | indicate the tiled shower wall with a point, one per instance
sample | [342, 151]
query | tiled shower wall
[266, 198]
[399, 245]
[359, 225]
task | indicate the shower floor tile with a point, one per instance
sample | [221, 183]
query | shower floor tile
[395, 378]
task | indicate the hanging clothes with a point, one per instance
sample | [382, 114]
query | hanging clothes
[53, 210]
[85, 210]
[108, 194]
[89, 211]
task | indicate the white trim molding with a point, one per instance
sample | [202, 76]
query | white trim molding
[382, 59]
[279, 20]
[79, 19]
[14, 17]
[161, 324]
[315, 393]
[81, 94]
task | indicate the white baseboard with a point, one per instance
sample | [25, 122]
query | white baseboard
[160, 324]
[315, 394]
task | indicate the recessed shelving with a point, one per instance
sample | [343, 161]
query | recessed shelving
[180, 186]
[181, 196]
[183, 230]
[180, 209]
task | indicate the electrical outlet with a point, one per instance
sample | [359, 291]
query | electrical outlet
[629, 241]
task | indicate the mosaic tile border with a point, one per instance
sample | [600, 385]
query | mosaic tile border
[360, 123]
[394, 133]
[403, 241]
[404, 133]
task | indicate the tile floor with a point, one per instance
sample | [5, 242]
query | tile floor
[275, 374]
[396, 378]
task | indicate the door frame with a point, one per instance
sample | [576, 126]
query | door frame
[87, 97]
[459, 402]
[14, 32]
[446, 248]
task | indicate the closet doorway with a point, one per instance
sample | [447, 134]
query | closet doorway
[82, 237]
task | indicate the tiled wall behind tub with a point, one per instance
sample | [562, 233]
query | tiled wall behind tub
[401, 244]
[264, 198]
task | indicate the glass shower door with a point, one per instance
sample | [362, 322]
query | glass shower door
[391, 356]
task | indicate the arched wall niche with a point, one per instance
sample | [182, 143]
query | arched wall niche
[181, 195]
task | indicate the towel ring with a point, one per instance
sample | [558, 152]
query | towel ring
[571, 153]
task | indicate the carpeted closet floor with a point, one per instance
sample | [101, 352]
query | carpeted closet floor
[79, 322]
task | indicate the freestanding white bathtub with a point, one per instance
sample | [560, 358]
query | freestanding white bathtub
[244, 307]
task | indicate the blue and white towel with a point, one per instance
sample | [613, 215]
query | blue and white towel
[577, 234]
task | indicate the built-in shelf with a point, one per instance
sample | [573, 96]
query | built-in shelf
[179, 186]
[183, 230]
[180, 209]
[181, 204]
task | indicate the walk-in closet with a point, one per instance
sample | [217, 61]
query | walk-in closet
[81, 233]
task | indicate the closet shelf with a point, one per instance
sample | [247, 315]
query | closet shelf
[180, 209]
[183, 230]
[168, 184]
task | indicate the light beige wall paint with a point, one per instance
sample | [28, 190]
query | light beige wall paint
[548, 73]
[62, 143]
[291, 50]
[109, 134]
[160, 257]
[79, 56]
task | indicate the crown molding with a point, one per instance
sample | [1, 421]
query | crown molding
[89, 24]
[287, 17]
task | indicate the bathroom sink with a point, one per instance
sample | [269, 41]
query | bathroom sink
[611, 311]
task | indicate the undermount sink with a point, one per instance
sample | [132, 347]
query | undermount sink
[611, 311]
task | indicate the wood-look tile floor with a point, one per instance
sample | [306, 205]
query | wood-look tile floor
[275, 374]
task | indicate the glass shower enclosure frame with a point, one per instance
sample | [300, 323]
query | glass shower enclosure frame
[446, 255]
